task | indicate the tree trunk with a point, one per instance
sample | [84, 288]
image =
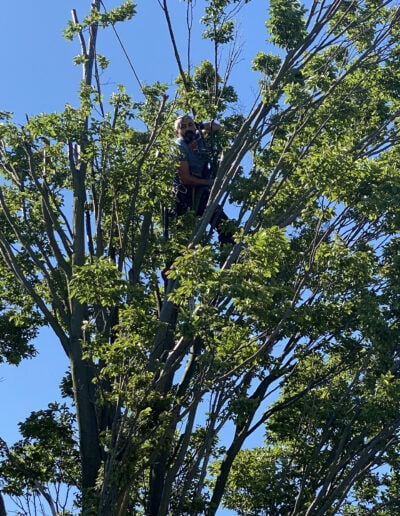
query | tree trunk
[84, 394]
[3, 511]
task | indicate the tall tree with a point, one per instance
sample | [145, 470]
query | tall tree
[294, 327]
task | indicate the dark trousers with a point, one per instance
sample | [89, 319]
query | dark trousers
[196, 198]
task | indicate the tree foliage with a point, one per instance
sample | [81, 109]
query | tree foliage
[293, 329]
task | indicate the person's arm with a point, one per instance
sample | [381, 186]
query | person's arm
[186, 177]
[208, 127]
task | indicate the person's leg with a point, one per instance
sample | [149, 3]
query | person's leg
[224, 237]
[200, 199]
[183, 199]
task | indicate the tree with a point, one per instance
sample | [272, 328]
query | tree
[295, 327]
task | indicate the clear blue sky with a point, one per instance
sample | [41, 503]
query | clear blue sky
[38, 76]
[37, 70]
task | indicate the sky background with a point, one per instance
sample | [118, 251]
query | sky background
[38, 76]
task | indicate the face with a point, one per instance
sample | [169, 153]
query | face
[187, 129]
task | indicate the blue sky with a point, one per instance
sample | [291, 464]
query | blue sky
[38, 75]
[37, 70]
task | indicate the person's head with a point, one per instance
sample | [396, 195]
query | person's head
[185, 127]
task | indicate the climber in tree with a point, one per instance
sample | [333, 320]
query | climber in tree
[194, 174]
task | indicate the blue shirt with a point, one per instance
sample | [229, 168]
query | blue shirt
[197, 159]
